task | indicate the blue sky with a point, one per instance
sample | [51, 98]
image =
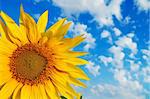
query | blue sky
[117, 39]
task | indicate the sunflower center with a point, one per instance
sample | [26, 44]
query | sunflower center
[30, 64]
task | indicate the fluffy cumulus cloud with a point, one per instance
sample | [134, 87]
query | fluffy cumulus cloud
[127, 42]
[110, 91]
[125, 79]
[101, 12]
[146, 55]
[106, 35]
[81, 29]
[93, 68]
[118, 56]
[117, 31]
[106, 60]
[134, 66]
[146, 74]
[143, 4]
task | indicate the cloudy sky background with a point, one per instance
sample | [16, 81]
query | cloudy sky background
[117, 39]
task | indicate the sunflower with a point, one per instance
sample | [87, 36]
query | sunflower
[36, 63]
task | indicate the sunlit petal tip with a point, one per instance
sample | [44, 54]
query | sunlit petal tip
[88, 78]
[21, 10]
[42, 22]
[46, 12]
[86, 53]
[62, 21]
[21, 7]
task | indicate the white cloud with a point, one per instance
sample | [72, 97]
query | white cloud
[105, 34]
[118, 56]
[117, 32]
[127, 42]
[134, 66]
[146, 56]
[143, 4]
[126, 79]
[98, 89]
[146, 52]
[102, 13]
[117, 51]
[80, 29]
[131, 35]
[120, 76]
[93, 68]
[110, 91]
[105, 60]
[146, 74]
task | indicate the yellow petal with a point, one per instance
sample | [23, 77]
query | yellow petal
[4, 77]
[69, 69]
[79, 96]
[61, 32]
[75, 41]
[7, 36]
[25, 92]
[59, 81]
[51, 90]
[65, 89]
[56, 26]
[5, 61]
[62, 84]
[43, 40]
[73, 71]
[2, 30]
[16, 94]
[75, 54]
[6, 50]
[27, 21]
[65, 94]
[48, 34]
[69, 43]
[42, 91]
[53, 42]
[14, 29]
[75, 61]
[42, 22]
[35, 93]
[69, 54]
[79, 75]
[76, 82]
[4, 67]
[68, 96]
[8, 89]
[22, 23]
